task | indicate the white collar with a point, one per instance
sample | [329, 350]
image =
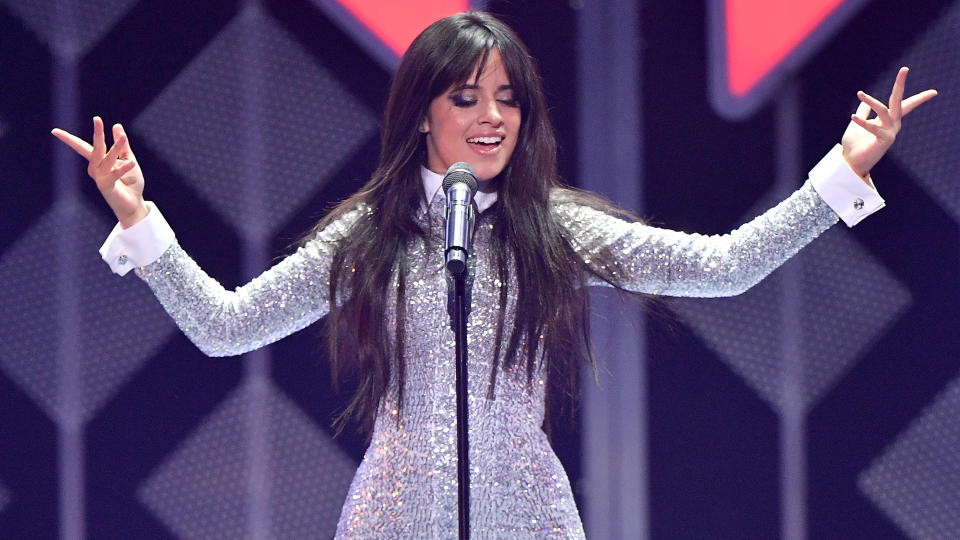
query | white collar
[432, 182]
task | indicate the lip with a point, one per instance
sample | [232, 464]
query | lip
[485, 151]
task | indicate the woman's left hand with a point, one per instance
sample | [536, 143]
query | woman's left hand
[866, 140]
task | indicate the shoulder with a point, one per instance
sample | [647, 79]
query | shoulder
[338, 223]
[570, 206]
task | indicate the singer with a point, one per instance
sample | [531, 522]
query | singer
[467, 91]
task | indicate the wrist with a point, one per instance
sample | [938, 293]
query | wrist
[134, 217]
[864, 175]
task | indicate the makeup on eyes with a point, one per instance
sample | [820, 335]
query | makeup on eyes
[462, 95]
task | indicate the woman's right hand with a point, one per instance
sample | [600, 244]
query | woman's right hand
[116, 172]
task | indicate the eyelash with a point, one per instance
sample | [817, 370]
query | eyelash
[460, 101]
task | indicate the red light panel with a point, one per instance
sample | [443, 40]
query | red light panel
[397, 23]
[761, 33]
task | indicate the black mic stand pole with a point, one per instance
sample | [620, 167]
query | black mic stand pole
[460, 184]
[463, 442]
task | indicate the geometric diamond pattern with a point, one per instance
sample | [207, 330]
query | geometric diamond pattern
[255, 74]
[916, 480]
[847, 300]
[201, 490]
[119, 325]
[927, 147]
[70, 27]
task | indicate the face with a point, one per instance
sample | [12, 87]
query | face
[477, 122]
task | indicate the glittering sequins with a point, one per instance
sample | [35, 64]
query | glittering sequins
[665, 262]
[406, 485]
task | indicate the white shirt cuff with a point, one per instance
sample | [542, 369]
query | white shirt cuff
[843, 190]
[139, 245]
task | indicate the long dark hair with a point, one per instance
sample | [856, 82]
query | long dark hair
[552, 301]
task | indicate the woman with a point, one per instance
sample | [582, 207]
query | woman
[466, 90]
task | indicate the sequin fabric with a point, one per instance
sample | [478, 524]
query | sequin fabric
[405, 487]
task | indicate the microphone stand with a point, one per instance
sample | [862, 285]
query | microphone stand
[463, 438]
[460, 184]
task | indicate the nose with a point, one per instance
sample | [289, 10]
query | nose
[491, 114]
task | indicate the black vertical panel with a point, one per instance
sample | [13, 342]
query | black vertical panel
[714, 454]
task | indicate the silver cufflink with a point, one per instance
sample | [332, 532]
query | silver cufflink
[858, 204]
[123, 259]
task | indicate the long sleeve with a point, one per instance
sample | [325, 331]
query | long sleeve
[659, 261]
[282, 300]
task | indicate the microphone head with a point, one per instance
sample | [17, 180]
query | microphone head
[461, 171]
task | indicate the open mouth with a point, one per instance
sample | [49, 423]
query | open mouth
[486, 143]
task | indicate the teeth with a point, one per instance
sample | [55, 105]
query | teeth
[485, 140]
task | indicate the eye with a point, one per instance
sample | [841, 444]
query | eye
[460, 100]
[508, 98]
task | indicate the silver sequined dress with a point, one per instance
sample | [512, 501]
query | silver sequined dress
[406, 485]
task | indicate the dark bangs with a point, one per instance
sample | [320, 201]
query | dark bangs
[465, 53]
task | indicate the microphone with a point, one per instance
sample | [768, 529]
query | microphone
[460, 185]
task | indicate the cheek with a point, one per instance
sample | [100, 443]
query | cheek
[515, 122]
[449, 130]
[515, 132]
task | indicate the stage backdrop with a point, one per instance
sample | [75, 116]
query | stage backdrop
[824, 403]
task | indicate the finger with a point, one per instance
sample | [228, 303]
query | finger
[123, 169]
[896, 95]
[127, 152]
[109, 181]
[117, 133]
[867, 125]
[916, 100]
[79, 145]
[110, 159]
[116, 136]
[99, 144]
[863, 111]
[878, 107]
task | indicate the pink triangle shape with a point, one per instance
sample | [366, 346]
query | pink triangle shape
[397, 23]
[762, 33]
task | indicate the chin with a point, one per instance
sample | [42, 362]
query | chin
[485, 174]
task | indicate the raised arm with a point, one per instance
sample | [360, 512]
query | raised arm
[659, 261]
[282, 300]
